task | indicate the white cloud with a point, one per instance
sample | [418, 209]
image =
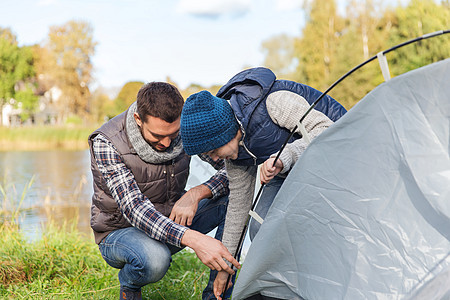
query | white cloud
[213, 8]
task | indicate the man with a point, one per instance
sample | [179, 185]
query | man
[247, 125]
[140, 213]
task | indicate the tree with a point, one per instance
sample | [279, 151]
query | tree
[70, 48]
[315, 50]
[27, 101]
[127, 95]
[279, 55]
[364, 35]
[195, 88]
[44, 62]
[331, 45]
[418, 18]
[191, 89]
[16, 66]
[100, 106]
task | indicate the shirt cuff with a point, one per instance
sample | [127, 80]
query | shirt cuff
[215, 190]
[175, 233]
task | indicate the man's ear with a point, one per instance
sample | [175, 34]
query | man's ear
[138, 119]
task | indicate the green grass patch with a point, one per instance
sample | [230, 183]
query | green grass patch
[65, 264]
[44, 138]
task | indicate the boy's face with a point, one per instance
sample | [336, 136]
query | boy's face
[227, 151]
[158, 133]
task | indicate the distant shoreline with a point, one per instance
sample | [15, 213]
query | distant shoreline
[44, 138]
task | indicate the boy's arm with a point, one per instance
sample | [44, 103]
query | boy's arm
[286, 108]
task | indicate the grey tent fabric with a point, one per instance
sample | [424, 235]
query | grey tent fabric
[365, 212]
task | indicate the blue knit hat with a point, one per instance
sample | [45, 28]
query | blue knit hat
[207, 123]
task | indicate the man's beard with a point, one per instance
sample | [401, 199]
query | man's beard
[157, 146]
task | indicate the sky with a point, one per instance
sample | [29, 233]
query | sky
[204, 42]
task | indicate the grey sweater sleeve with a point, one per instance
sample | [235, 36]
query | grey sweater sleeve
[286, 109]
[242, 187]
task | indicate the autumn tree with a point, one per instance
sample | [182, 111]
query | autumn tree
[316, 49]
[27, 100]
[101, 107]
[127, 95]
[419, 17]
[16, 73]
[70, 48]
[331, 45]
[363, 36]
[44, 62]
[8, 35]
[279, 55]
[370, 30]
[191, 89]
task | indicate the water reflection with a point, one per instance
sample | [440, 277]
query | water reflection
[61, 189]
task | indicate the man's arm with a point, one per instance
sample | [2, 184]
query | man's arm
[135, 206]
[218, 183]
[184, 210]
[210, 251]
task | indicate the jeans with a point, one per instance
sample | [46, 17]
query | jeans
[265, 201]
[143, 260]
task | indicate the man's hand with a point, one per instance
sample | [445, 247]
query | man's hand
[185, 208]
[219, 284]
[268, 172]
[210, 251]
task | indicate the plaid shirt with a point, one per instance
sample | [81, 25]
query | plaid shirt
[135, 206]
[218, 183]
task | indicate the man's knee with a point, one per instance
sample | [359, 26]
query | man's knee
[146, 264]
[155, 266]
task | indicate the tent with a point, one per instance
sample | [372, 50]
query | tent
[365, 212]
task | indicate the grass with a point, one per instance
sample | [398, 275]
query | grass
[11, 206]
[44, 137]
[65, 264]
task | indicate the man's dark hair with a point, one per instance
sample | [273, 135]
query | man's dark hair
[161, 100]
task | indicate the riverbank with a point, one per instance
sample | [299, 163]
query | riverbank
[44, 138]
[65, 264]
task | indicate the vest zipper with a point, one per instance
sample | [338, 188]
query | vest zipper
[168, 182]
[241, 142]
[173, 168]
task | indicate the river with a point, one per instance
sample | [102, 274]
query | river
[60, 187]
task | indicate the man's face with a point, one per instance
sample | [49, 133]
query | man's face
[157, 132]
